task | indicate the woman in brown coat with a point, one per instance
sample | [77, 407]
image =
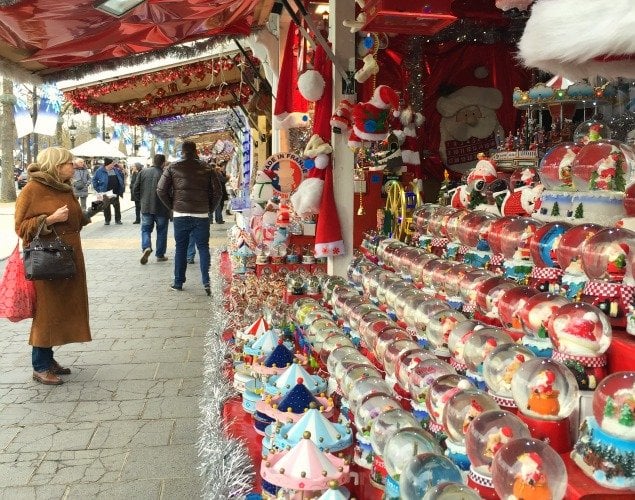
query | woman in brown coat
[61, 313]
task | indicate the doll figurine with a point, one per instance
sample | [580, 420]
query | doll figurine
[543, 398]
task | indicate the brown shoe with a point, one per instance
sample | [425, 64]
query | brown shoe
[47, 378]
[59, 370]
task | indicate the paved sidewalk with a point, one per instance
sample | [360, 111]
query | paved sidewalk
[124, 425]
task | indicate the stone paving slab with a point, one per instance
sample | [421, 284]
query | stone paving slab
[125, 423]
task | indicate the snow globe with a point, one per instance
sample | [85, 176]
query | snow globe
[606, 445]
[477, 347]
[370, 281]
[474, 233]
[556, 177]
[535, 318]
[411, 314]
[529, 468]
[368, 409]
[495, 241]
[364, 387]
[454, 250]
[510, 304]
[355, 314]
[371, 327]
[402, 300]
[407, 259]
[393, 290]
[439, 328]
[488, 296]
[425, 311]
[437, 229]
[469, 288]
[419, 380]
[605, 257]
[439, 278]
[516, 238]
[427, 274]
[402, 446]
[385, 338]
[459, 412]
[456, 343]
[546, 274]
[546, 393]
[385, 248]
[440, 391]
[406, 362]
[452, 286]
[499, 369]
[392, 353]
[581, 334]
[355, 372]
[591, 130]
[331, 343]
[384, 426]
[425, 471]
[451, 491]
[486, 435]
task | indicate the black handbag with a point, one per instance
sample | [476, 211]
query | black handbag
[48, 260]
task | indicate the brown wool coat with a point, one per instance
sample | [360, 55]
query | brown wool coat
[61, 312]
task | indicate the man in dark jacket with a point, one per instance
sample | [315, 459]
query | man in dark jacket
[192, 191]
[110, 178]
[153, 211]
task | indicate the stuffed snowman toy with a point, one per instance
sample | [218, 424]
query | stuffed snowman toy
[262, 189]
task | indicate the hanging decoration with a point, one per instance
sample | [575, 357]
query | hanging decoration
[48, 110]
[23, 119]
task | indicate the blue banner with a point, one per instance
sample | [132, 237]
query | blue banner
[48, 111]
[23, 119]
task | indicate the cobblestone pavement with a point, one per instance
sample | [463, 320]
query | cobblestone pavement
[125, 423]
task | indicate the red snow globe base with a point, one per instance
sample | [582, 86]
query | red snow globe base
[554, 432]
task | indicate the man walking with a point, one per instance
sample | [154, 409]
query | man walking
[81, 181]
[192, 191]
[109, 178]
[153, 211]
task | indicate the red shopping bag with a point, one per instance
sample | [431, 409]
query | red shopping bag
[17, 294]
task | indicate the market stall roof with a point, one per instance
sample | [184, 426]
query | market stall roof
[96, 148]
[54, 40]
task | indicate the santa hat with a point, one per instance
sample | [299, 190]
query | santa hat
[601, 51]
[328, 233]
[507, 432]
[534, 457]
[476, 405]
[371, 120]
[550, 377]
[291, 108]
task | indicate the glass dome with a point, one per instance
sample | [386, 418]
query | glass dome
[440, 327]
[614, 405]
[423, 375]
[580, 329]
[555, 167]
[481, 344]
[603, 165]
[605, 254]
[386, 424]
[424, 472]
[405, 444]
[537, 311]
[461, 409]
[501, 365]
[441, 390]
[545, 242]
[370, 407]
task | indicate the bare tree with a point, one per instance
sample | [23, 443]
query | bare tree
[7, 142]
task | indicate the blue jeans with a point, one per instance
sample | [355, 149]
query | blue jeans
[41, 358]
[191, 248]
[147, 225]
[198, 227]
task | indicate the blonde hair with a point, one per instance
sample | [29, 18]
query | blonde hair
[50, 159]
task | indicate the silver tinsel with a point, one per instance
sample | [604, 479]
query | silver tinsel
[226, 467]
[414, 64]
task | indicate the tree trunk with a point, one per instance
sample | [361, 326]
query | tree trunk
[7, 143]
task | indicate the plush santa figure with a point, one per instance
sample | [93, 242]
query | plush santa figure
[482, 174]
[523, 201]
[469, 123]
[405, 128]
[307, 198]
[371, 120]
[342, 118]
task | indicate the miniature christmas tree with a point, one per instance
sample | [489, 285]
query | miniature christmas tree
[626, 416]
[609, 408]
[555, 210]
[579, 211]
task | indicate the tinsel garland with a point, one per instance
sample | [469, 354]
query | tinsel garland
[17, 74]
[180, 52]
[226, 467]
[8, 3]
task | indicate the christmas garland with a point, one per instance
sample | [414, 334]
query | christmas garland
[142, 111]
[226, 467]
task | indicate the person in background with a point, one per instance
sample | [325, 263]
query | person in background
[61, 309]
[153, 211]
[222, 178]
[81, 181]
[109, 177]
[191, 190]
[136, 168]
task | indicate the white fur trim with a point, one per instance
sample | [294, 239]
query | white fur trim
[410, 157]
[607, 28]
[321, 161]
[307, 197]
[311, 85]
[333, 249]
[366, 136]
[291, 120]
[487, 97]
[513, 4]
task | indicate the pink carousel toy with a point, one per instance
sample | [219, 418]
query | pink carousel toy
[486, 435]
[546, 394]
[581, 334]
[302, 469]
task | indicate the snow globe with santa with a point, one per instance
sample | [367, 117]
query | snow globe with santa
[516, 239]
[581, 334]
[534, 318]
[546, 394]
[486, 435]
[456, 343]
[605, 449]
[473, 234]
[556, 177]
[439, 392]
[526, 468]
[478, 347]
[569, 257]
[425, 471]
[545, 275]
[605, 257]
[499, 369]
[495, 241]
[509, 306]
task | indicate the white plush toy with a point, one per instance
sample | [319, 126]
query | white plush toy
[262, 189]
[369, 68]
[306, 199]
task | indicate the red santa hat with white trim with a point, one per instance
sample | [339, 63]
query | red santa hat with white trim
[291, 109]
